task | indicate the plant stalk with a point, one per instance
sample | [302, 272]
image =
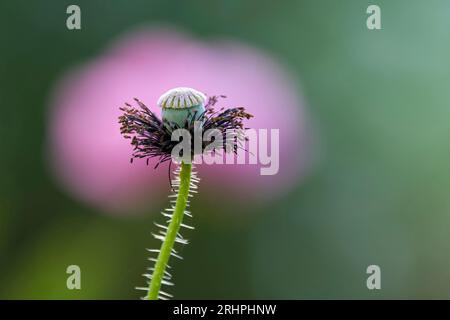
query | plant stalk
[171, 234]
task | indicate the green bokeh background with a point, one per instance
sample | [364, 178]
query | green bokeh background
[378, 193]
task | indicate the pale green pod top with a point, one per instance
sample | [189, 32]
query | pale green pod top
[181, 104]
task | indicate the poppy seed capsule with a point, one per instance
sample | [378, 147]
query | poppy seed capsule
[181, 104]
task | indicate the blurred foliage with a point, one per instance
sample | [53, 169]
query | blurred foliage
[378, 194]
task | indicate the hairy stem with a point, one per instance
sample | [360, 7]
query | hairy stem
[172, 231]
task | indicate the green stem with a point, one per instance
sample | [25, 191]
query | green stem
[172, 231]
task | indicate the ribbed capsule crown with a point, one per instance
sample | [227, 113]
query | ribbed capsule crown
[181, 98]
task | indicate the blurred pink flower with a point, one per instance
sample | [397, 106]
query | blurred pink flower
[91, 159]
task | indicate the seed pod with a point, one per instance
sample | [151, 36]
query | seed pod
[182, 104]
